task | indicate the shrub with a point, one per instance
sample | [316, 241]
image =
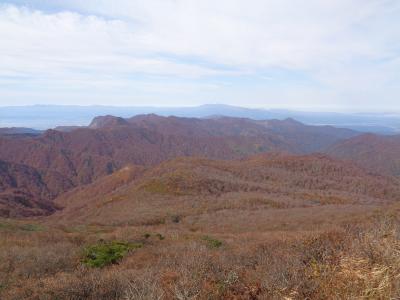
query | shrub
[175, 218]
[31, 227]
[212, 242]
[107, 253]
[23, 227]
[5, 226]
[160, 236]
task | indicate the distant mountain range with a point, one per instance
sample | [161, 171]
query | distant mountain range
[70, 157]
[19, 131]
[50, 116]
[38, 167]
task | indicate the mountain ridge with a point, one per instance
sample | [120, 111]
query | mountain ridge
[67, 159]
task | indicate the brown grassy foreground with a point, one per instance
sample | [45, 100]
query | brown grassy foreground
[347, 260]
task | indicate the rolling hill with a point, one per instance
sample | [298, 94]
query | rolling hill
[184, 186]
[376, 153]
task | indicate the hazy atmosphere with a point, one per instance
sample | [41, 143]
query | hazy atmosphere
[199, 149]
[310, 55]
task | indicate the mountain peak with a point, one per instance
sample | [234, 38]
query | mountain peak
[292, 121]
[107, 121]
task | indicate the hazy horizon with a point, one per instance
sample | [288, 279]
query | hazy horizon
[293, 109]
[336, 56]
[51, 116]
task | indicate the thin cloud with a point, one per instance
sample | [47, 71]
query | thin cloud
[332, 52]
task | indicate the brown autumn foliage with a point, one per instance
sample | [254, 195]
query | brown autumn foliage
[286, 186]
[377, 153]
[22, 191]
[67, 159]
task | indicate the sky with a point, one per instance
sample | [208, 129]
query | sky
[331, 55]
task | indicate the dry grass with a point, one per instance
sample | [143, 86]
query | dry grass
[354, 260]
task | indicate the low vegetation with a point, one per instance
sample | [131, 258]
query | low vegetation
[212, 242]
[107, 253]
[351, 260]
[12, 226]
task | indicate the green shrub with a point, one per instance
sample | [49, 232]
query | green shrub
[160, 236]
[23, 227]
[5, 226]
[212, 242]
[107, 253]
[31, 227]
